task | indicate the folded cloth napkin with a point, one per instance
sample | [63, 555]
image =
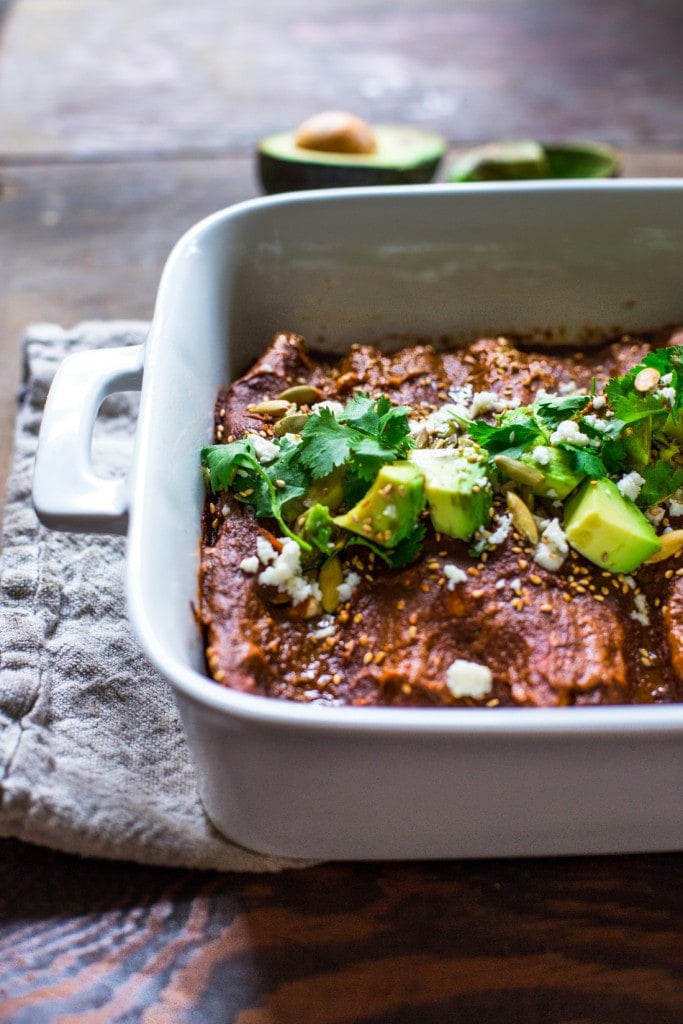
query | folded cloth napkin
[93, 759]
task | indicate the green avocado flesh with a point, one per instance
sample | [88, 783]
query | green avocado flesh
[607, 528]
[525, 159]
[390, 509]
[458, 491]
[404, 156]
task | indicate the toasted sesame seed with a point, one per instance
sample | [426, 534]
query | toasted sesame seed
[367, 657]
[412, 632]
[400, 605]
[358, 617]
[379, 657]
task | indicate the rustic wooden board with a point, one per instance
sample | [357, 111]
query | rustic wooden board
[535, 941]
[83, 78]
[120, 126]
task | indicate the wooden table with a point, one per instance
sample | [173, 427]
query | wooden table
[121, 125]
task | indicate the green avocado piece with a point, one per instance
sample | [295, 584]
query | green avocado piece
[520, 159]
[607, 528]
[404, 155]
[327, 490]
[501, 161]
[579, 159]
[638, 443]
[559, 478]
[391, 507]
[457, 487]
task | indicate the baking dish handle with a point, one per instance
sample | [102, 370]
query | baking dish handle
[67, 494]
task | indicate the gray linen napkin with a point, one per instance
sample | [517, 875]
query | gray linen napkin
[92, 755]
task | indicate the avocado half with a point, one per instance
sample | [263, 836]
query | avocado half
[404, 155]
[524, 159]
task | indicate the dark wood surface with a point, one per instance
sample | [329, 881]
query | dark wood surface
[121, 125]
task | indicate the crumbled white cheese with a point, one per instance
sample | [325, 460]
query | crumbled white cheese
[675, 507]
[599, 401]
[454, 574]
[225, 511]
[347, 587]
[442, 421]
[283, 570]
[630, 485]
[461, 396]
[642, 611]
[541, 455]
[265, 550]
[570, 387]
[569, 431]
[502, 530]
[250, 565]
[655, 514]
[596, 422]
[484, 538]
[552, 548]
[266, 451]
[488, 401]
[326, 627]
[668, 394]
[468, 679]
[666, 379]
[335, 407]
[516, 585]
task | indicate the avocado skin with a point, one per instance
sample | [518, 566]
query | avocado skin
[278, 174]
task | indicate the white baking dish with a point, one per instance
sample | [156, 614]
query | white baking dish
[348, 265]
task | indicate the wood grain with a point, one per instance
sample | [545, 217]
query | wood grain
[594, 939]
[120, 126]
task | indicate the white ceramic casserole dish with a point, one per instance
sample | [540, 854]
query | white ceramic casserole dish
[349, 265]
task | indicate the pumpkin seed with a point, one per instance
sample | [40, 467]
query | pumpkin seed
[301, 394]
[329, 579]
[672, 542]
[647, 379]
[271, 407]
[521, 472]
[522, 519]
[292, 424]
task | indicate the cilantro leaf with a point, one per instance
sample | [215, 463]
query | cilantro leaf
[235, 467]
[585, 460]
[552, 411]
[661, 481]
[513, 439]
[366, 435]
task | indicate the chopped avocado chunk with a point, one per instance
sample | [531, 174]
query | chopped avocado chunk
[638, 443]
[525, 158]
[500, 161]
[327, 490]
[607, 528]
[403, 155]
[390, 509]
[457, 488]
[559, 477]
